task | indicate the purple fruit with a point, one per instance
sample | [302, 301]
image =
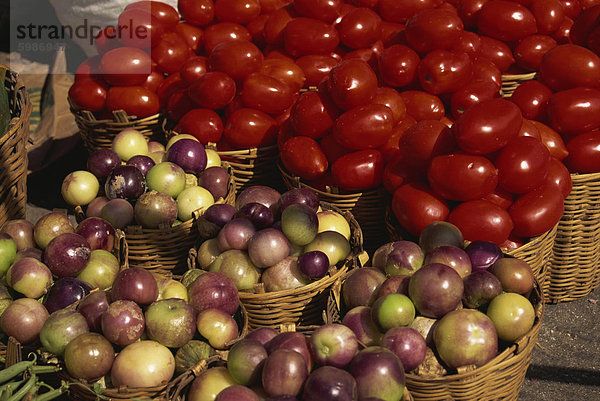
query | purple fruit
[261, 194]
[435, 289]
[483, 254]
[219, 213]
[65, 292]
[257, 213]
[480, 287]
[125, 182]
[452, 256]
[262, 334]
[408, 345]
[135, 284]
[314, 264]
[216, 180]
[123, 322]
[284, 373]
[329, 383]
[92, 307]
[142, 162]
[305, 196]
[378, 373]
[236, 234]
[67, 254]
[188, 154]
[102, 161]
[118, 212]
[98, 232]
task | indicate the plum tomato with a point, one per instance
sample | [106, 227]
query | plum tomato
[522, 165]
[275, 25]
[537, 211]
[529, 129]
[178, 105]
[398, 65]
[134, 100]
[316, 67]
[303, 157]
[392, 33]
[505, 20]
[470, 94]
[529, 51]
[89, 68]
[204, 124]
[286, 71]
[352, 83]
[482, 220]
[332, 149]
[125, 66]
[324, 10]
[237, 58]
[433, 29]
[313, 114]
[364, 127]
[170, 53]
[552, 139]
[197, 12]
[480, 131]
[497, 51]
[139, 28]
[171, 84]
[485, 70]
[224, 32]
[359, 28]
[250, 128]
[467, 42]
[444, 71]
[401, 10]
[397, 172]
[107, 39]
[425, 140]
[532, 98]
[571, 8]
[582, 69]
[88, 94]
[584, 153]
[358, 171]
[574, 111]
[391, 148]
[548, 15]
[559, 175]
[267, 94]
[193, 68]
[238, 11]
[421, 105]
[192, 35]
[415, 206]
[468, 12]
[462, 177]
[154, 80]
[213, 90]
[163, 12]
[303, 36]
[583, 24]
[562, 34]
[392, 99]
[500, 197]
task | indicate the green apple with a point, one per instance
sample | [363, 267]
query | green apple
[101, 269]
[212, 158]
[79, 188]
[392, 310]
[330, 220]
[192, 199]
[166, 177]
[170, 288]
[8, 252]
[128, 143]
[512, 314]
[171, 322]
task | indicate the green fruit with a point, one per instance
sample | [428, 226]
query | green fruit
[190, 354]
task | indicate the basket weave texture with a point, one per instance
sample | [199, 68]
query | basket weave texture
[574, 269]
[511, 81]
[13, 154]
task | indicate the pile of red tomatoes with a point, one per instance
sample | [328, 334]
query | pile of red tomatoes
[364, 93]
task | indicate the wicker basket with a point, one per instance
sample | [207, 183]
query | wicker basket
[98, 134]
[574, 269]
[13, 155]
[368, 208]
[510, 82]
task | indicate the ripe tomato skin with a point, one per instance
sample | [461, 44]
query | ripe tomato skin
[364, 127]
[506, 20]
[584, 153]
[171, 84]
[433, 29]
[496, 51]
[424, 140]
[107, 39]
[391, 148]
[552, 140]
[398, 65]
[324, 10]
[204, 124]
[302, 156]
[479, 131]
[316, 67]
[213, 90]
[583, 68]
[359, 28]
[303, 36]
[415, 206]
[358, 171]
[275, 25]
[250, 128]
[537, 211]
[286, 71]
[530, 50]
[125, 66]
[224, 32]
[401, 10]
[574, 111]
[134, 100]
[422, 105]
[532, 98]
[471, 94]
[352, 83]
[313, 115]
[193, 69]
[153, 81]
[562, 34]
[482, 220]
[529, 129]
[485, 70]
[178, 105]
[238, 11]
[397, 172]
[197, 12]
[548, 15]
[467, 42]
[163, 12]
[522, 165]
[88, 94]
[89, 68]
[392, 99]
[462, 177]
[559, 175]
[145, 29]
[192, 35]
[468, 12]
[571, 8]
[238, 59]
[444, 71]
[333, 149]
[170, 53]
[583, 24]
[266, 94]
[500, 197]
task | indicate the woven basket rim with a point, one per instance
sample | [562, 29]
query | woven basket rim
[518, 77]
[120, 117]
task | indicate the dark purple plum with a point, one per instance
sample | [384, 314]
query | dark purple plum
[102, 161]
[284, 373]
[361, 285]
[261, 194]
[99, 233]
[262, 334]
[314, 264]
[245, 361]
[135, 284]
[292, 340]
[257, 213]
[67, 254]
[65, 292]
[125, 182]
[92, 306]
[188, 154]
[378, 373]
[142, 162]
[408, 345]
[236, 234]
[329, 383]
[220, 213]
[480, 288]
[440, 233]
[214, 290]
[435, 290]
[483, 254]
[237, 393]
[215, 179]
[305, 196]
[452, 256]
[123, 322]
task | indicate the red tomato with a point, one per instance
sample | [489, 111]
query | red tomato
[324, 10]
[134, 100]
[401, 10]
[249, 128]
[522, 165]
[392, 33]
[425, 140]
[480, 131]
[213, 90]
[170, 53]
[496, 51]
[505, 20]
[471, 94]
[256, 27]
[433, 29]
[392, 99]
[285, 71]
[313, 115]
[178, 105]
[443, 71]
[266, 94]
[204, 124]
[532, 98]
[500, 197]
[563, 34]
[171, 84]
[530, 50]
[397, 172]
[462, 177]
[468, 11]
[88, 94]
[482, 220]
[584, 153]
[467, 42]
[238, 59]
[364, 127]
[139, 28]
[352, 83]
[316, 67]
[193, 69]
[398, 65]
[358, 171]
[548, 15]
[529, 129]
[537, 211]
[153, 81]
[197, 12]
[89, 68]
[302, 156]
[286, 131]
[303, 36]
[125, 66]
[238, 11]
[192, 35]
[583, 24]
[552, 140]
[415, 206]
[359, 28]
[333, 149]
[275, 25]
[582, 68]
[422, 105]
[574, 111]
[224, 32]
[391, 148]
[485, 70]
[559, 175]
[107, 39]
[269, 6]
[164, 13]
[571, 8]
